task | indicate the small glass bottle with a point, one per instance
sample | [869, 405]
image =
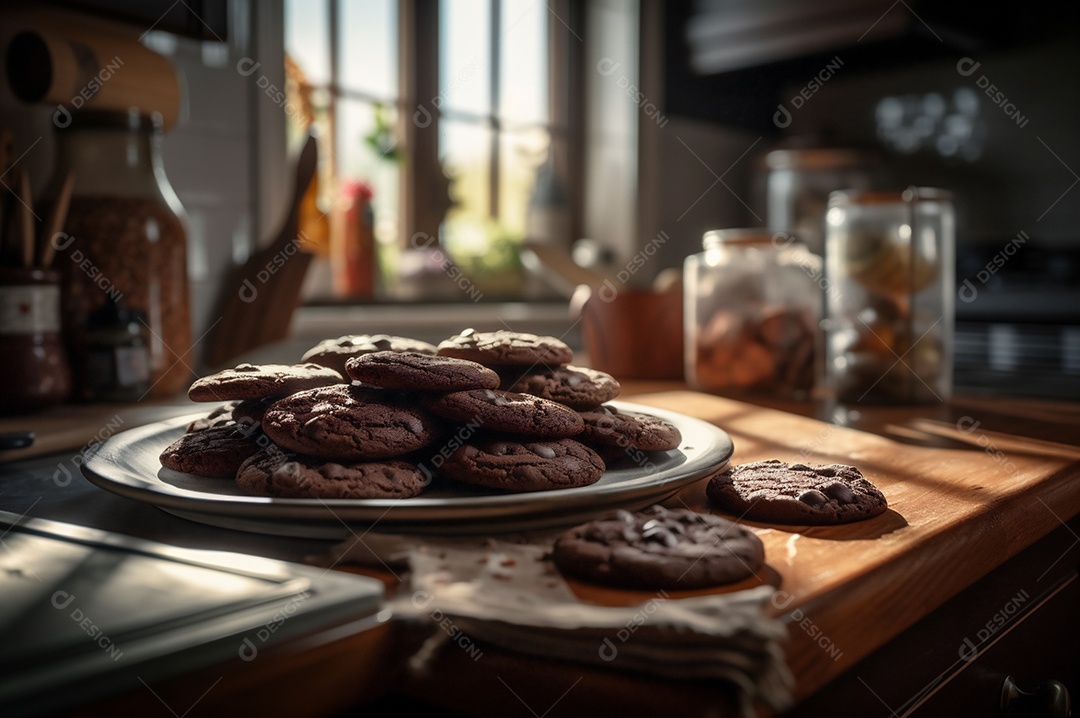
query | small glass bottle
[117, 365]
[752, 309]
[124, 241]
[890, 268]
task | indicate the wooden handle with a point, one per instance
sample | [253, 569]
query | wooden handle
[55, 62]
[26, 219]
[55, 223]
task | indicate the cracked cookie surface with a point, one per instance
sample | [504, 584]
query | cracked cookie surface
[506, 347]
[262, 381]
[273, 472]
[508, 412]
[214, 451]
[609, 426]
[348, 422]
[659, 548]
[773, 491]
[522, 465]
[573, 386]
[420, 372]
[333, 353]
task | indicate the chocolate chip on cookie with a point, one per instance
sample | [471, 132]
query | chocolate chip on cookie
[348, 423]
[573, 386]
[610, 426]
[262, 381]
[220, 416]
[506, 347]
[659, 548]
[524, 465]
[776, 492]
[273, 472]
[216, 451]
[333, 353]
[420, 372]
[507, 412]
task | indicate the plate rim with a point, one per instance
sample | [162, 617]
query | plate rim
[498, 507]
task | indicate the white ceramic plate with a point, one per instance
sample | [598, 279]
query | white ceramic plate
[127, 464]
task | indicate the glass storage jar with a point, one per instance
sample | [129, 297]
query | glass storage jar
[799, 183]
[124, 242]
[890, 266]
[752, 309]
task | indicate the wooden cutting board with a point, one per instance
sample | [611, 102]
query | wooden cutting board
[969, 485]
[72, 428]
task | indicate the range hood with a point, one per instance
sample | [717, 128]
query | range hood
[727, 35]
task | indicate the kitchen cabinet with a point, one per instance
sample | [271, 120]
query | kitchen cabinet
[728, 61]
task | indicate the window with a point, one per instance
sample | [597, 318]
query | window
[448, 113]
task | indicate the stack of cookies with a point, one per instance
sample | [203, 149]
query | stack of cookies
[378, 417]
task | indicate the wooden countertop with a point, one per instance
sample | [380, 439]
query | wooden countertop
[969, 485]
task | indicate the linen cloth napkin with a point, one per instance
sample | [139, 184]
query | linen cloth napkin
[509, 594]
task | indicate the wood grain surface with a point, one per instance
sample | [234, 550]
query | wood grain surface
[969, 485]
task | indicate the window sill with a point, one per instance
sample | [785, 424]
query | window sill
[433, 322]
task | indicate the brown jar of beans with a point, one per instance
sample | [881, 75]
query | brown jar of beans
[124, 242]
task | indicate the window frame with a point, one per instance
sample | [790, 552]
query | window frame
[418, 56]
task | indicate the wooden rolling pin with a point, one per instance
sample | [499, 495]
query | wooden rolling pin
[87, 65]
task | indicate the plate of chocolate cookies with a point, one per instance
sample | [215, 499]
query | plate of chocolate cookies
[486, 431]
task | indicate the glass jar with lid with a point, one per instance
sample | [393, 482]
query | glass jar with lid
[752, 310]
[890, 269]
[124, 242]
[799, 183]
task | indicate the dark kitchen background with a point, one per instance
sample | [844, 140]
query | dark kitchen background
[659, 118]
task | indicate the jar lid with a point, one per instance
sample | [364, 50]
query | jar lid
[132, 120]
[911, 194]
[817, 158]
[747, 236]
[113, 315]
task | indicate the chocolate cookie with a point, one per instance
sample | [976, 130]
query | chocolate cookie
[420, 372]
[506, 347]
[775, 492]
[251, 411]
[573, 386]
[333, 353]
[610, 426]
[347, 423]
[251, 381]
[272, 472]
[507, 412]
[221, 416]
[524, 465]
[659, 548]
[216, 451]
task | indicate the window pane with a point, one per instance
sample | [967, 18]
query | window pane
[466, 154]
[367, 38]
[358, 160]
[306, 25]
[465, 56]
[521, 156]
[523, 91]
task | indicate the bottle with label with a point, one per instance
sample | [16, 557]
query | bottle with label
[36, 371]
[117, 366]
[124, 242]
